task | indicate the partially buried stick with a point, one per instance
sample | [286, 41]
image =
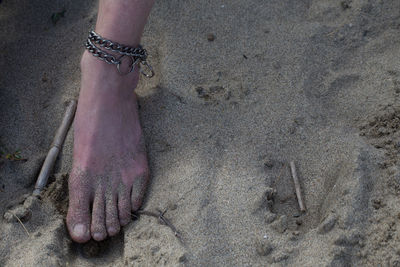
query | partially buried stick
[297, 186]
[163, 220]
[55, 148]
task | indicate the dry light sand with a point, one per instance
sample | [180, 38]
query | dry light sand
[314, 81]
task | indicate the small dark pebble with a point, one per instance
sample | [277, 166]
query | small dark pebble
[210, 37]
[292, 129]
[44, 78]
[182, 258]
[345, 4]
[201, 92]
[269, 163]
[270, 193]
[376, 203]
[154, 250]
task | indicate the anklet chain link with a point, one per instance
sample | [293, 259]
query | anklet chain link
[137, 55]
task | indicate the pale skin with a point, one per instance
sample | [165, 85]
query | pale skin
[110, 170]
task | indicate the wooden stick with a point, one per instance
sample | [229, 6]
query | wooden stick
[55, 148]
[297, 186]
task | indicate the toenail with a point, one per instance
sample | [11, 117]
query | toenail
[112, 230]
[79, 230]
[98, 236]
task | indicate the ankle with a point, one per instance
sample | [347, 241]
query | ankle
[95, 69]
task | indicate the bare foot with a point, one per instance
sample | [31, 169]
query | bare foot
[110, 171]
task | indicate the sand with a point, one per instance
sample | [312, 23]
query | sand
[313, 81]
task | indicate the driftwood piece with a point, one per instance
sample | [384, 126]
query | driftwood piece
[55, 148]
[297, 186]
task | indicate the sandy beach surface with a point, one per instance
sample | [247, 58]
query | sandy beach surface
[242, 88]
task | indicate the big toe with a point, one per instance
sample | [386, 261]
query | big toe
[80, 233]
[78, 227]
[78, 217]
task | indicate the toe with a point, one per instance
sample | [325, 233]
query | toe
[98, 226]
[124, 205]
[78, 217]
[112, 222]
[138, 191]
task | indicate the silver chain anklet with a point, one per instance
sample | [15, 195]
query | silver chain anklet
[137, 55]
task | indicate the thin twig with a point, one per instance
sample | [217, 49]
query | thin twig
[26, 230]
[55, 148]
[161, 218]
[297, 186]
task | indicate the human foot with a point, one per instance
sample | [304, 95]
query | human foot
[110, 171]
